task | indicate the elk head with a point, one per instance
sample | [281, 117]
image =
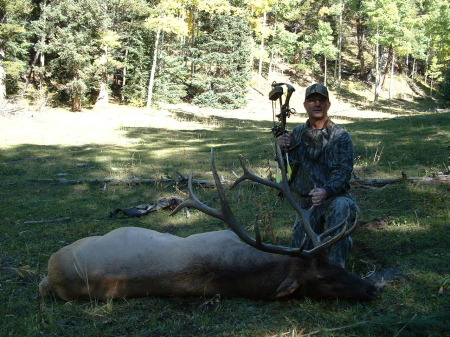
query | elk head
[310, 274]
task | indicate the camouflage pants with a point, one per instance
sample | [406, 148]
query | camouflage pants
[328, 215]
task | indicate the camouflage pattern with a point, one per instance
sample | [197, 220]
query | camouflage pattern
[328, 215]
[316, 89]
[324, 159]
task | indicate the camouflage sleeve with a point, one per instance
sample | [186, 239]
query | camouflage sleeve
[340, 166]
[296, 135]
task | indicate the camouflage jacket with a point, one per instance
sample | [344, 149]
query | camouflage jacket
[322, 159]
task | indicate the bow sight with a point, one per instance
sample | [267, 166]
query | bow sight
[285, 112]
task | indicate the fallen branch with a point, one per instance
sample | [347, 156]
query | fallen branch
[46, 221]
[103, 181]
[136, 181]
[439, 177]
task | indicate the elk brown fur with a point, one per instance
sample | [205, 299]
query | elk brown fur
[135, 262]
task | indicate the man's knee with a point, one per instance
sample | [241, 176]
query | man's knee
[341, 209]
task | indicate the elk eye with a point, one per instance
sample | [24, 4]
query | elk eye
[323, 280]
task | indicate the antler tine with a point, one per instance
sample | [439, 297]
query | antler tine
[346, 232]
[253, 177]
[284, 188]
[234, 224]
[194, 202]
[226, 214]
[320, 242]
[329, 241]
[317, 240]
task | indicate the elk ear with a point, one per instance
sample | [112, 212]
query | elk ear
[287, 287]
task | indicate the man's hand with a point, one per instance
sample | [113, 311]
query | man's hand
[318, 196]
[284, 141]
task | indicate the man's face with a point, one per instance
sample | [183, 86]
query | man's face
[317, 106]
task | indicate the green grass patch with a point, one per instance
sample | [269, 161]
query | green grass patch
[415, 240]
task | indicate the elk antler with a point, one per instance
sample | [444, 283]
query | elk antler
[320, 242]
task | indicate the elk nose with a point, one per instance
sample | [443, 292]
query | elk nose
[372, 292]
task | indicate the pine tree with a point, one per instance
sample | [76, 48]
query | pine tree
[14, 41]
[434, 73]
[221, 62]
[323, 45]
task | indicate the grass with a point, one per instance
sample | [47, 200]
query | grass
[415, 241]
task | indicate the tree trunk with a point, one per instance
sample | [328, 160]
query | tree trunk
[325, 71]
[339, 59]
[392, 76]
[271, 62]
[407, 64]
[435, 178]
[76, 103]
[42, 101]
[124, 76]
[360, 42]
[426, 68]
[269, 76]
[377, 72]
[30, 72]
[41, 74]
[2, 77]
[385, 66]
[153, 71]
[76, 95]
[261, 51]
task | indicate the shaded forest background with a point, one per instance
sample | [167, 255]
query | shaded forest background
[84, 53]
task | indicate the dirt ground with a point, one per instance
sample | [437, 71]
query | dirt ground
[57, 126]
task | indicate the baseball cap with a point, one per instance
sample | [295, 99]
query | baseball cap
[316, 88]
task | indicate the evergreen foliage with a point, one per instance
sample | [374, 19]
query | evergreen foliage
[87, 50]
[445, 85]
[131, 82]
[221, 58]
[14, 44]
[171, 82]
[73, 34]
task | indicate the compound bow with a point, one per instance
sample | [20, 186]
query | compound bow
[285, 112]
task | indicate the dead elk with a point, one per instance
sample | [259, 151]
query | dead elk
[135, 262]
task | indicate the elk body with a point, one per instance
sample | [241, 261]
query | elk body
[136, 262]
[133, 262]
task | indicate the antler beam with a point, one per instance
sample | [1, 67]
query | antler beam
[320, 242]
